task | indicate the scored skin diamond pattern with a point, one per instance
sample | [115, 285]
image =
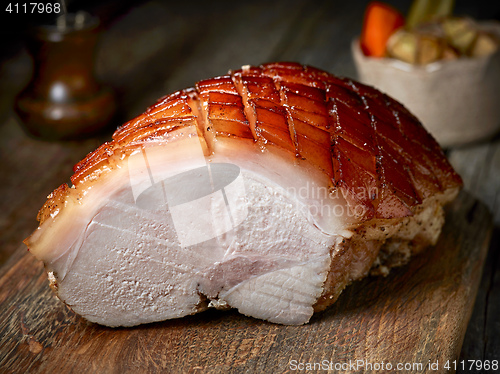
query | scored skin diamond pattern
[360, 138]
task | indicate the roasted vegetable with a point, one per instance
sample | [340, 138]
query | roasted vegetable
[380, 22]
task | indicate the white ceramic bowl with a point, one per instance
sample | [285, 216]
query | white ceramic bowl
[458, 101]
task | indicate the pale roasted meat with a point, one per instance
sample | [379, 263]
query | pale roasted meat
[268, 189]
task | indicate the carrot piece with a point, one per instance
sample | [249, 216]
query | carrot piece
[380, 21]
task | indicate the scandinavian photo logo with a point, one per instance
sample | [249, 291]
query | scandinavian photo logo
[205, 200]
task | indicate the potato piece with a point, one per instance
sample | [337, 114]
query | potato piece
[460, 33]
[429, 49]
[414, 48]
[449, 53]
[484, 45]
[403, 46]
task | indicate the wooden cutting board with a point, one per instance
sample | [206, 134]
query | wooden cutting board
[416, 316]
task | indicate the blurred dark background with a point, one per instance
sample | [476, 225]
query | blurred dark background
[144, 42]
[151, 48]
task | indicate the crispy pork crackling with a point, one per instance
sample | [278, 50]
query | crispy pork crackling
[268, 190]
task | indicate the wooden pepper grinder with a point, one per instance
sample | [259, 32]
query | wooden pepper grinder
[63, 100]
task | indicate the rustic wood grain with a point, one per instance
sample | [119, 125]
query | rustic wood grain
[30, 169]
[178, 45]
[152, 49]
[482, 338]
[479, 166]
[416, 314]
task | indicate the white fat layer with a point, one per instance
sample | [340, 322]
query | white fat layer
[306, 186]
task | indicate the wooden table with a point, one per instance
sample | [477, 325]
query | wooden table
[154, 48]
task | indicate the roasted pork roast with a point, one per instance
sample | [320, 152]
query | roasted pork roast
[268, 190]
